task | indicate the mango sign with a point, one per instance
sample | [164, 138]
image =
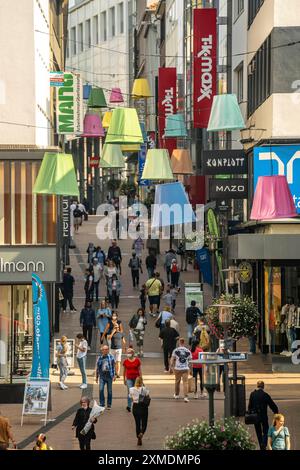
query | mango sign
[70, 105]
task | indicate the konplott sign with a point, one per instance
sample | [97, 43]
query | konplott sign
[228, 189]
[225, 162]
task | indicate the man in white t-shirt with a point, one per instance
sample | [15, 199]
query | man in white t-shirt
[82, 348]
[180, 365]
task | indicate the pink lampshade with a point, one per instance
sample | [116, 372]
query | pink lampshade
[92, 126]
[273, 199]
[116, 96]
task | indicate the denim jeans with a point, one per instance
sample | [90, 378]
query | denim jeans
[82, 363]
[102, 382]
[130, 383]
[190, 330]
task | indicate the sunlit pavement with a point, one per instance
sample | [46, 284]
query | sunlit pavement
[116, 429]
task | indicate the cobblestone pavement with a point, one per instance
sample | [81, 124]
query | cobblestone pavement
[115, 429]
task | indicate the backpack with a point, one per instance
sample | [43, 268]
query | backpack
[174, 268]
[77, 213]
[133, 322]
[204, 340]
[134, 263]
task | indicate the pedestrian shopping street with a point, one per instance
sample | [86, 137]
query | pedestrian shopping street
[115, 428]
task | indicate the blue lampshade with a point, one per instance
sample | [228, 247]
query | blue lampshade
[167, 197]
[87, 91]
[225, 114]
[175, 126]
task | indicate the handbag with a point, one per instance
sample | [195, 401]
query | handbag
[144, 399]
[251, 417]
[158, 322]
[191, 385]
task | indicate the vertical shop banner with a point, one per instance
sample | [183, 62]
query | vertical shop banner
[167, 104]
[41, 335]
[142, 161]
[205, 64]
[213, 228]
[204, 263]
[70, 105]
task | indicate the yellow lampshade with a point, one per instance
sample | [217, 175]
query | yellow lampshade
[130, 148]
[181, 162]
[107, 119]
[158, 166]
[141, 89]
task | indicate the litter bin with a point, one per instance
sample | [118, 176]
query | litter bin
[238, 398]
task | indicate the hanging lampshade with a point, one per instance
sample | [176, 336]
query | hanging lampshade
[57, 176]
[112, 155]
[272, 199]
[181, 162]
[141, 89]
[103, 164]
[175, 126]
[92, 126]
[107, 119]
[124, 127]
[168, 195]
[225, 114]
[116, 96]
[157, 166]
[97, 99]
[87, 91]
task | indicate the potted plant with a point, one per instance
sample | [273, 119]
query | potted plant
[228, 434]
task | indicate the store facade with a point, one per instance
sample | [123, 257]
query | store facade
[273, 251]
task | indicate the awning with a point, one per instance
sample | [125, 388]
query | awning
[264, 247]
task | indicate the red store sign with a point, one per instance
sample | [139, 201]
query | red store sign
[94, 162]
[205, 64]
[167, 103]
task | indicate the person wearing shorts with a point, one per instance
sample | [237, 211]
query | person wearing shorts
[118, 343]
[154, 288]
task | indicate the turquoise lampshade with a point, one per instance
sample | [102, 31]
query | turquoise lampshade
[175, 126]
[225, 114]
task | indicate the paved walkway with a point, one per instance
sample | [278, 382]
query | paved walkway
[115, 429]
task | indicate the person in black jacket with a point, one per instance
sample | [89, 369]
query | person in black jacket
[114, 254]
[88, 322]
[81, 418]
[169, 337]
[68, 283]
[192, 315]
[259, 402]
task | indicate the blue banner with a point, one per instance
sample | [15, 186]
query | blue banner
[204, 263]
[41, 333]
[280, 160]
[142, 161]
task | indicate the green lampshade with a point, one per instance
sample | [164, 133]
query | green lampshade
[225, 114]
[112, 155]
[158, 166]
[104, 165]
[57, 176]
[97, 99]
[175, 126]
[124, 128]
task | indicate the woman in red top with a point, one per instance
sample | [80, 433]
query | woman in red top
[197, 369]
[132, 369]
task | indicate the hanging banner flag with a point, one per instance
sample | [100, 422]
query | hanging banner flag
[70, 105]
[167, 104]
[41, 335]
[204, 263]
[205, 64]
[142, 161]
[214, 230]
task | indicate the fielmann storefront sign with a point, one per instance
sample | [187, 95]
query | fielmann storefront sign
[70, 105]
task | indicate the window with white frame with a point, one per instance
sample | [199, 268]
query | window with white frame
[103, 26]
[73, 40]
[88, 36]
[80, 37]
[121, 17]
[240, 82]
[112, 21]
[95, 30]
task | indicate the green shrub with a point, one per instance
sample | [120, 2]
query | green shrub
[228, 434]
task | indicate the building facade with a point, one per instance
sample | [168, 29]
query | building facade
[29, 228]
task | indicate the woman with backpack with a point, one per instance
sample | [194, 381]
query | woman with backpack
[137, 324]
[175, 273]
[141, 400]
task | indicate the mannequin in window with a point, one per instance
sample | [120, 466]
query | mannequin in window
[272, 329]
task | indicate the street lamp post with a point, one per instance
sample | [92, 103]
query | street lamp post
[211, 383]
[213, 247]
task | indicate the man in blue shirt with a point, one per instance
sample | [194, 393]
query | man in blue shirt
[106, 374]
[88, 322]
